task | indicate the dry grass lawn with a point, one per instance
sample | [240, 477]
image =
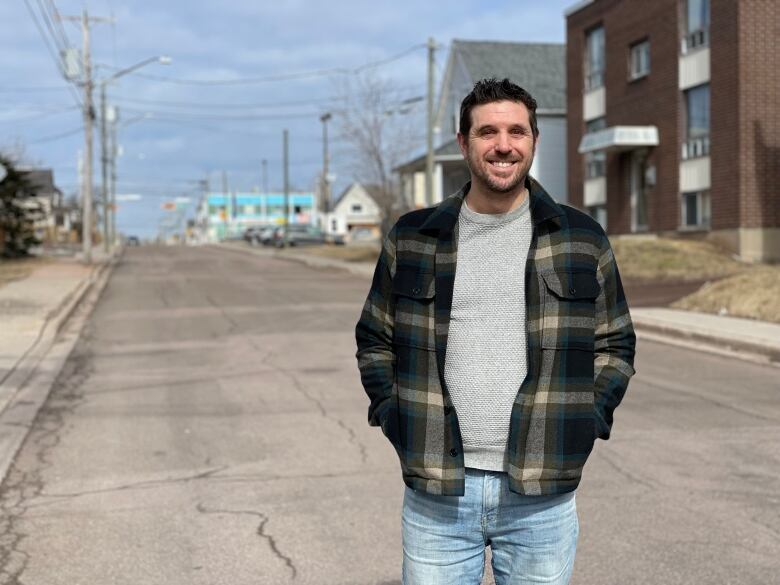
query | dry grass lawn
[18, 268]
[664, 259]
[350, 253]
[752, 294]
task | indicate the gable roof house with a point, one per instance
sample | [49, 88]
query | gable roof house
[356, 215]
[540, 68]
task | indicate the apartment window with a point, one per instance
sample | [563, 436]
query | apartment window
[599, 213]
[639, 60]
[697, 111]
[696, 209]
[595, 59]
[697, 20]
[357, 208]
[595, 162]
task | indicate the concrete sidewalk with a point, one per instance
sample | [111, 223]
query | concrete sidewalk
[27, 306]
[745, 338]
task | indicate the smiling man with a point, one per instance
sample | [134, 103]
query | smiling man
[494, 345]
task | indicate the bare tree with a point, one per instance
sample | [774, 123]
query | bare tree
[383, 128]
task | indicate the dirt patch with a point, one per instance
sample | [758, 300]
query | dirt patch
[752, 294]
[18, 268]
[673, 260]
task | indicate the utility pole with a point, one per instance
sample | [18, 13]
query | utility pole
[112, 189]
[104, 167]
[89, 117]
[265, 176]
[226, 197]
[429, 154]
[325, 205]
[285, 164]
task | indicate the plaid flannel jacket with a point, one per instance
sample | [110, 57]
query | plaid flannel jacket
[580, 348]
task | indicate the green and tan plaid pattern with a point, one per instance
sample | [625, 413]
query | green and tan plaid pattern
[580, 348]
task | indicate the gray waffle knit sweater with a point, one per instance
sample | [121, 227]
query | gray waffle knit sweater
[486, 346]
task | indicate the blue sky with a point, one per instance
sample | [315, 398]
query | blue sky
[197, 130]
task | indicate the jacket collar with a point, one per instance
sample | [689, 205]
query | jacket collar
[445, 215]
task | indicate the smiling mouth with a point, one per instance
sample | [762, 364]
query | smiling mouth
[501, 164]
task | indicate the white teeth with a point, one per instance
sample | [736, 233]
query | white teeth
[502, 164]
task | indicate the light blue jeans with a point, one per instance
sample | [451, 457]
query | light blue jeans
[533, 538]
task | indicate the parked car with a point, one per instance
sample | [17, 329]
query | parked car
[252, 235]
[266, 235]
[299, 235]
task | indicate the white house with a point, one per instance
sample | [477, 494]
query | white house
[355, 216]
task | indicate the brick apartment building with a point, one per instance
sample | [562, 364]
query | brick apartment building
[674, 119]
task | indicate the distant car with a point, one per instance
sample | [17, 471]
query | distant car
[133, 241]
[266, 235]
[299, 235]
[252, 235]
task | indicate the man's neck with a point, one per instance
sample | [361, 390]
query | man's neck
[490, 202]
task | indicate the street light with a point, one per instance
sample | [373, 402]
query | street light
[112, 163]
[163, 60]
[325, 161]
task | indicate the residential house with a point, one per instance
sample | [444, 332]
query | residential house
[356, 215]
[56, 223]
[674, 125]
[540, 68]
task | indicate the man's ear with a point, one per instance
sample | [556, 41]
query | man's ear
[464, 145]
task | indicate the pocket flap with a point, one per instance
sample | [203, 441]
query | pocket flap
[572, 285]
[414, 284]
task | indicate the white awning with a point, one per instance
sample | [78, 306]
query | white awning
[619, 138]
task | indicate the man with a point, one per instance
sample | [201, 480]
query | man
[493, 380]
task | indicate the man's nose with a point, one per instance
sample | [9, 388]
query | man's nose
[502, 143]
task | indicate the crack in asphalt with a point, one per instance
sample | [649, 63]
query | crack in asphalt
[352, 436]
[625, 473]
[261, 532]
[674, 389]
[130, 486]
[234, 325]
[20, 486]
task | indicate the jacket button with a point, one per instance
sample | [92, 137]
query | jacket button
[416, 290]
[572, 290]
[447, 409]
[454, 452]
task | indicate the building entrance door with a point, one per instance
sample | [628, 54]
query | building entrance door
[638, 191]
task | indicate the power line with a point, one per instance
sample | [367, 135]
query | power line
[33, 89]
[251, 105]
[52, 52]
[244, 105]
[285, 77]
[57, 136]
[42, 115]
[186, 116]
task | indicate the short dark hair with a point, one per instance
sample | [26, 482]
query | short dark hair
[491, 90]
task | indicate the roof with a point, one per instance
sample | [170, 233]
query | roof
[41, 180]
[540, 68]
[447, 151]
[370, 190]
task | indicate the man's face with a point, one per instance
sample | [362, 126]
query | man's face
[500, 146]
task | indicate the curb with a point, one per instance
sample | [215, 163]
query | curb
[311, 261]
[725, 346]
[31, 379]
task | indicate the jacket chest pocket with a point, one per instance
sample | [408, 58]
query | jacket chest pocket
[569, 309]
[414, 293]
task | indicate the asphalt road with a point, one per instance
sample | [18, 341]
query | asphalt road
[210, 428]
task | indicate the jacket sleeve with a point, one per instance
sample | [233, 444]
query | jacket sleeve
[614, 344]
[374, 334]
